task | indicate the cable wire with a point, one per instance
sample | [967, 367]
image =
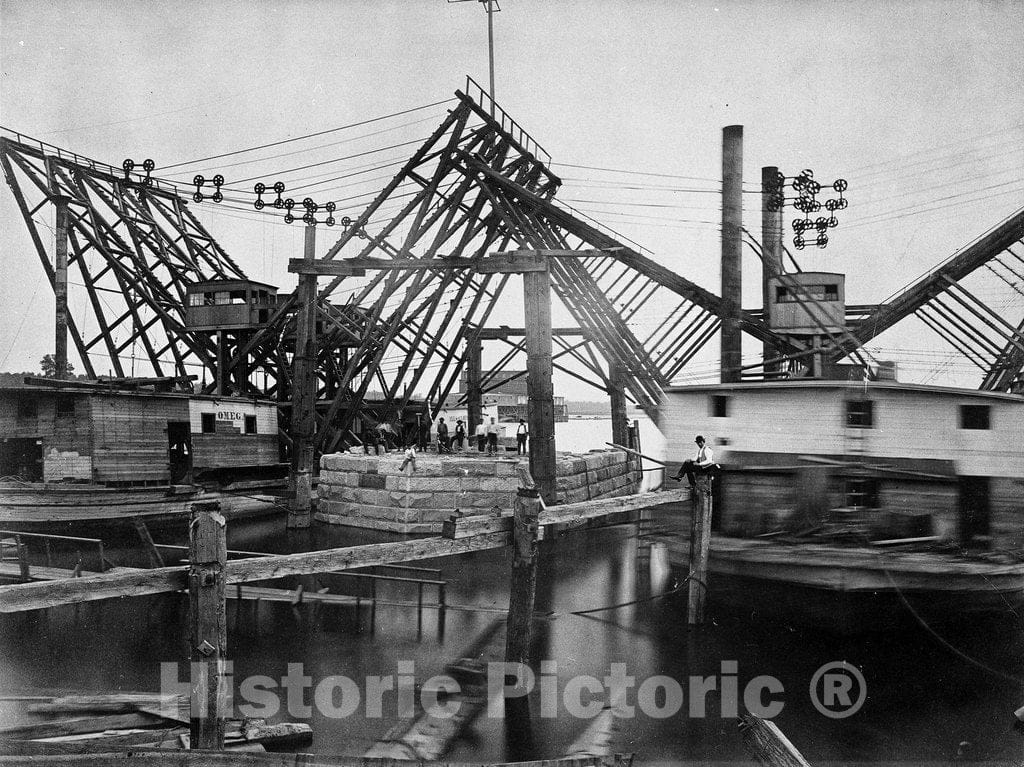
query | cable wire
[310, 135]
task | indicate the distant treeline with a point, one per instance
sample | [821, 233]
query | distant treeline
[589, 407]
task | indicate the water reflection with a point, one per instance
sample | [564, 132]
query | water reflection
[924, 701]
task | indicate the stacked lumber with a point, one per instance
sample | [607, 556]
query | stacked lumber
[105, 723]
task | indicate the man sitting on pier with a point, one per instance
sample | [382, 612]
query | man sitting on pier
[700, 464]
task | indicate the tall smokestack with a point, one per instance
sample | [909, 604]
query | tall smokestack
[732, 251]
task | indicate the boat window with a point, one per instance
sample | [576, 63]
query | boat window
[832, 292]
[719, 406]
[65, 406]
[250, 425]
[974, 417]
[209, 422]
[860, 413]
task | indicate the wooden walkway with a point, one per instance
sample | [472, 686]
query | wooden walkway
[487, 533]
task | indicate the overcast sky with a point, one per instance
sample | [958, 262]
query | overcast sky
[920, 105]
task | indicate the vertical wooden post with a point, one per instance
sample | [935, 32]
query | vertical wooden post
[208, 553]
[732, 252]
[304, 393]
[617, 397]
[60, 289]
[222, 363]
[522, 594]
[771, 243]
[636, 445]
[23, 565]
[474, 373]
[537, 299]
[490, 46]
[700, 543]
[523, 587]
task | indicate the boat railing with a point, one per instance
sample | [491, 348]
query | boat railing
[16, 543]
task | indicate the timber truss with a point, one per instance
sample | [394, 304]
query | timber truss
[947, 301]
[479, 184]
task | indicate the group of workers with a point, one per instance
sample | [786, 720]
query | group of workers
[418, 434]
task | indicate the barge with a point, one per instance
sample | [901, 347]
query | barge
[860, 501]
[74, 454]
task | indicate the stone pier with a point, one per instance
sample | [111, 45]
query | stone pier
[374, 491]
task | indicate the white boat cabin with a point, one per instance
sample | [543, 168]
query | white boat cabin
[903, 460]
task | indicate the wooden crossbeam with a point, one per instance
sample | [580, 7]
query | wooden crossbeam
[33, 596]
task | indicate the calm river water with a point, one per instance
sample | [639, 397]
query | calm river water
[942, 695]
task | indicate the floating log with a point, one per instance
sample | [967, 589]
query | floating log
[285, 735]
[165, 758]
[79, 725]
[425, 737]
[599, 737]
[765, 741]
[104, 743]
[116, 703]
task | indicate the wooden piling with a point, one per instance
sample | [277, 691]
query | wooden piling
[208, 554]
[700, 544]
[541, 412]
[524, 573]
[474, 397]
[523, 589]
[304, 394]
[617, 399]
[222, 363]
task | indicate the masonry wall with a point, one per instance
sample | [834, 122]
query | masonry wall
[374, 491]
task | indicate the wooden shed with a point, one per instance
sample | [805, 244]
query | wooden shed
[123, 439]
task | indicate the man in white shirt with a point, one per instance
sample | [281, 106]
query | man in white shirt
[704, 459]
[522, 432]
[492, 437]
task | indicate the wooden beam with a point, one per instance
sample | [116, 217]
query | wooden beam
[523, 585]
[700, 544]
[198, 758]
[539, 386]
[79, 725]
[504, 332]
[303, 416]
[33, 596]
[60, 288]
[765, 741]
[165, 579]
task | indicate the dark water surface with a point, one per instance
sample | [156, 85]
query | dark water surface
[925, 702]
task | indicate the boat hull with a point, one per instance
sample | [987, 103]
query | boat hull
[62, 508]
[856, 589]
